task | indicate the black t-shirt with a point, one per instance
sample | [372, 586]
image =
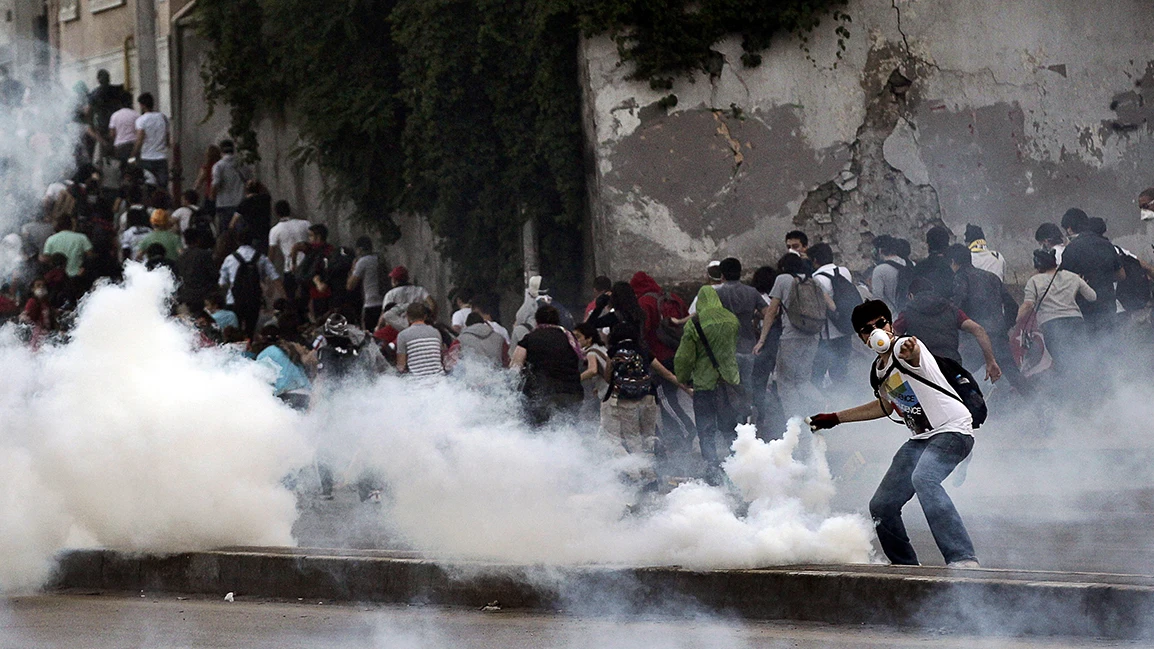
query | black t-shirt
[553, 366]
[256, 215]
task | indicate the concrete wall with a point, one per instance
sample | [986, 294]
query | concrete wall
[1002, 114]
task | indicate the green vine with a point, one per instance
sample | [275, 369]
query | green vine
[465, 111]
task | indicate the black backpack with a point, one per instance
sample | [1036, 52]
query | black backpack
[959, 379]
[845, 297]
[246, 289]
[905, 278]
[632, 378]
[1134, 291]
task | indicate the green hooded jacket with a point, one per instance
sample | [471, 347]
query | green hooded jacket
[691, 363]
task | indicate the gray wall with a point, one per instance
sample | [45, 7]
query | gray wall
[1002, 114]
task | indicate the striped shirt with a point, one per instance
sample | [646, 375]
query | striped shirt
[421, 345]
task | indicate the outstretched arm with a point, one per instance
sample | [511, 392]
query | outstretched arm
[875, 409]
[993, 372]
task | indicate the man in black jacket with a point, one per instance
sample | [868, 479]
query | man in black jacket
[1092, 256]
[936, 322]
[983, 297]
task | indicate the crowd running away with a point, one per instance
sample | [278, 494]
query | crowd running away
[665, 375]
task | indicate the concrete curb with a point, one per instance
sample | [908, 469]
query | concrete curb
[967, 601]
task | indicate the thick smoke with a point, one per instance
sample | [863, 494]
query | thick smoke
[125, 438]
[469, 480]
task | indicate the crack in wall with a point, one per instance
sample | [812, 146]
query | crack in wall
[870, 196]
[905, 39]
[734, 145]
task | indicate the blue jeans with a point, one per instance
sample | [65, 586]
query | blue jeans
[919, 467]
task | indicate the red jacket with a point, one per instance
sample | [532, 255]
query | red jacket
[648, 291]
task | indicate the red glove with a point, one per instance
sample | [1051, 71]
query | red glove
[824, 420]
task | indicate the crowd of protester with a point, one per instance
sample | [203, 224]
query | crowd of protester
[654, 375]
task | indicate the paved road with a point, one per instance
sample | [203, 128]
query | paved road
[164, 622]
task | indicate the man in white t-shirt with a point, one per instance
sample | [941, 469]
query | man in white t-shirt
[188, 210]
[910, 383]
[834, 347]
[122, 130]
[151, 149]
[463, 300]
[287, 233]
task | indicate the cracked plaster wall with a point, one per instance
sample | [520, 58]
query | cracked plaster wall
[988, 112]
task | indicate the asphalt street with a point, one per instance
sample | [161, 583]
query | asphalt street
[166, 622]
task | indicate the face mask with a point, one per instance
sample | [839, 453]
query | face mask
[1146, 215]
[40, 292]
[880, 341]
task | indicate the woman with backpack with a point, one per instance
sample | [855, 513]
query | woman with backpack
[629, 418]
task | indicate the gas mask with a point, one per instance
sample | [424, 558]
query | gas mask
[880, 341]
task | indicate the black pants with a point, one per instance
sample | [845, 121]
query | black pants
[713, 416]
[369, 317]
[248, 317]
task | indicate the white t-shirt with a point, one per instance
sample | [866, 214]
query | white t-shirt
[123, 122]
[230, 265]
[502, 331]
[366, 270]
[155, 127]
[286, 234]
[990, 261]
[831, 331]
[403, 296]
[460, 316]
[183, 217]
[926, 411]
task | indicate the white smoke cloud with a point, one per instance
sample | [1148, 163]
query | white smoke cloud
[469, 480]
[128, 437]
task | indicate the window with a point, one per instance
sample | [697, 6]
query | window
[69, 10]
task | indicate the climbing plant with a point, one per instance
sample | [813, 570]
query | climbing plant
[465, 111]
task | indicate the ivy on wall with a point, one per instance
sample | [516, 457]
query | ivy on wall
[465, 111]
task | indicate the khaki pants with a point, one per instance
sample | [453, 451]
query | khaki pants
[631, 427]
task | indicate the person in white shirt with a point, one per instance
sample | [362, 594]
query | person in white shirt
[183, 215]
[1050, 237]
[462, 299]
[834, 346]
[982, 256]
[152, 139]
[285, 234]
[907, 380]
[122, 130]
[485, 306]
[246, 311]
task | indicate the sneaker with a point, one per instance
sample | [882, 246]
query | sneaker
[964, 563]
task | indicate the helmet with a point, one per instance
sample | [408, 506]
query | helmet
[336, 325]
